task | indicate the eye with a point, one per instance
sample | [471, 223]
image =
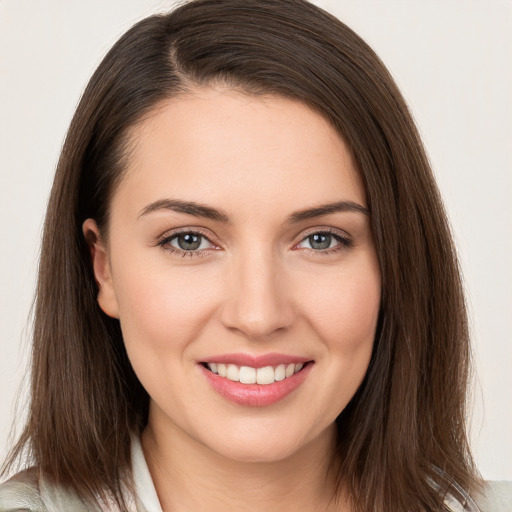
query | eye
[324, 241]
[320, 241]
[189, 242]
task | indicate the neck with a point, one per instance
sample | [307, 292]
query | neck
[187, 475]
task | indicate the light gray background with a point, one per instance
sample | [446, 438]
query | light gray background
[451, 58]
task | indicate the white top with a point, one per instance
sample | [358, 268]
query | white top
[144, 486]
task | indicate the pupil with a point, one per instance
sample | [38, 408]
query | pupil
[320, 241]
[189, 242]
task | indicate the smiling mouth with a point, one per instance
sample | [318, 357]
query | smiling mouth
[249, 375]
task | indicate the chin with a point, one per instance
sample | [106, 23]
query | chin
[260, 445]
[258, 452]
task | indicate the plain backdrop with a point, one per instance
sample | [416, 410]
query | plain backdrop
[451, 58]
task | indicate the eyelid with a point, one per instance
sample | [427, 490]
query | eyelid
[345, 240]
[164, 240]
[323, 229]
[187, 229]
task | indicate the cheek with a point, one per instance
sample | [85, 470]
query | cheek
[345, 315]
[160, 308]
[341, 311]
[162, 313]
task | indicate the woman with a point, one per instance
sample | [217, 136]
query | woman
[248, 294]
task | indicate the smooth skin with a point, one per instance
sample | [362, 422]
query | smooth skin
[248, 277]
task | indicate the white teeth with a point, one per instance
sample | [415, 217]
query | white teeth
[280, 372]
[249, 375]
[221, 368]
[233, 372]
[265, 375]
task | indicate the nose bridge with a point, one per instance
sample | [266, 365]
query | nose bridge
[257, 305]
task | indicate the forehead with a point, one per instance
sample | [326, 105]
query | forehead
[222, 146]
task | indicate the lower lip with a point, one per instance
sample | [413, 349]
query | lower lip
[256, 395]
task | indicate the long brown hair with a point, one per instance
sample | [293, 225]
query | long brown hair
[402, 438]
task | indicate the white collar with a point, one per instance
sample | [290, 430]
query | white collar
[144, 487]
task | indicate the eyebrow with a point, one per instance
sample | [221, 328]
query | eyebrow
[326, 209]
[201, 210]
[188, 207]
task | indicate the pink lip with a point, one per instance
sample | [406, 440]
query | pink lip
[256, 395]
[256, 361]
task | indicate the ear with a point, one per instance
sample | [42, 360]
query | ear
[107, 298]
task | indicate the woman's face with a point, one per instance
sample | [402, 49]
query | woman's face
[239, 243]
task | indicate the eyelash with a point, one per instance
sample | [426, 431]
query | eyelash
[344, 242]
[165, 242]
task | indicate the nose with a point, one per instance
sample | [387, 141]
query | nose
[257, 304]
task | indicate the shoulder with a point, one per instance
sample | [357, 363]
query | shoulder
[26, 492]
[496, 497]
[21, 492]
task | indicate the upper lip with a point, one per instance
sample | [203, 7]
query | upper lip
[256, 361]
